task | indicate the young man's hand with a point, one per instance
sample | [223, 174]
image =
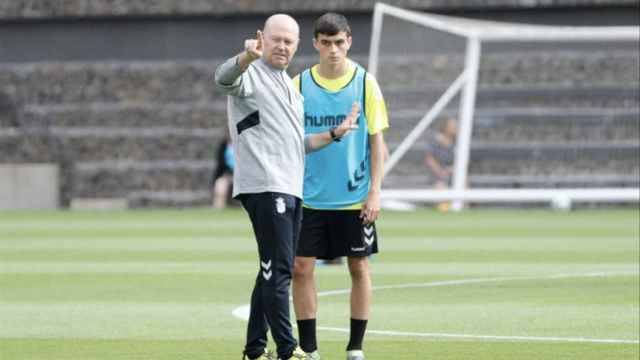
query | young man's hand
[350, 123]
[370, 208]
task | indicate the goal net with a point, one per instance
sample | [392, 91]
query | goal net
[507, 112]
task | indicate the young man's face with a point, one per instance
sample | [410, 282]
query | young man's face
[332, 49]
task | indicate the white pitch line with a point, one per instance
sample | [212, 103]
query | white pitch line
[242, 312]
[489, 337]
[480, 280]
[60, 224]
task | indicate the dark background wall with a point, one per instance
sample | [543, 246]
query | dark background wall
[46, 31]
[125, 8]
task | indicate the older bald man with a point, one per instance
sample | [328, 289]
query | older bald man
[266, 123]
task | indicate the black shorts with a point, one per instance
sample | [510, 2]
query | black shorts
[328, 234]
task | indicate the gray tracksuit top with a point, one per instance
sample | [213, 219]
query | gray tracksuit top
[266, 124]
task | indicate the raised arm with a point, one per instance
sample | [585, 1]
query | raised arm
[228, 74]
[315, 142]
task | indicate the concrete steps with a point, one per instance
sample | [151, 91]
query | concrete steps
[531, 160]
[125, 114]
[190, 81]
[522, 125]
[147, 131]
[119, 178]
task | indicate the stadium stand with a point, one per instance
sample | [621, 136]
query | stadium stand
[145, 130]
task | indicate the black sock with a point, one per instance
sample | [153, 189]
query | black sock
[358, 327]
[307, 334]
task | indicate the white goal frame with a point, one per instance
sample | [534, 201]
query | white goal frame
[477, 32]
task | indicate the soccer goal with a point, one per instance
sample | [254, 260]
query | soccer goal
[544, 114]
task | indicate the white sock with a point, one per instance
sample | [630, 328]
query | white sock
[355, 353]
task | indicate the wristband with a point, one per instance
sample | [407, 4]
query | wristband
[334, 137]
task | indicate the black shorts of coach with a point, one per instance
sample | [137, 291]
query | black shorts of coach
[328, 234]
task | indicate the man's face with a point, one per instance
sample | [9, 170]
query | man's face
[280, 44]
[333, 49]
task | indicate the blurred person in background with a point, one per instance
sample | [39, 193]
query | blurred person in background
[440, 156]
[223, 174]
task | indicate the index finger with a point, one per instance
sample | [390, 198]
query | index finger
[355, 108]
[259, 36]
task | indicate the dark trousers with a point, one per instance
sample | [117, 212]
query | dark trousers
[276, 220]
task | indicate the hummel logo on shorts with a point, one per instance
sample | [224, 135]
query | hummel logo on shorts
[266, 273]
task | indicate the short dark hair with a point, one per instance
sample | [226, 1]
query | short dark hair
[331, 24]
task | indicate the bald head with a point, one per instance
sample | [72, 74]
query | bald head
[282, 22]
[281, 36]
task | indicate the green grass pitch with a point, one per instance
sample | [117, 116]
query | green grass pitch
[479, 285]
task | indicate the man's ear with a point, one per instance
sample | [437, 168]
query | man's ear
[315, 43]
[349, 41]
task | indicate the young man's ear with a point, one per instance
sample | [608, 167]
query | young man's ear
[349, 41]
[315, 43]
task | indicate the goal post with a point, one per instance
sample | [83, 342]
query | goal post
[475, 33]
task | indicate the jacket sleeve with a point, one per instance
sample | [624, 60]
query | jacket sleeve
[231, 80]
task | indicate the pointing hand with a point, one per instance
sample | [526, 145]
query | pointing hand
[253, 47]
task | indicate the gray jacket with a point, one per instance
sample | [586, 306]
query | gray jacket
[266, 123]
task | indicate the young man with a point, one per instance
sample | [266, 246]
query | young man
[342, 182]
[265, 121]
